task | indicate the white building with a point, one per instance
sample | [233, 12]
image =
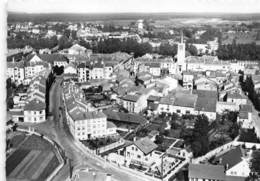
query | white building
[142, 151]
[34, 111]
[245, 116]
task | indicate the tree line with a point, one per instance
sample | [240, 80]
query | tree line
[239, 51]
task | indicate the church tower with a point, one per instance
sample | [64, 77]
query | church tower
[181, 66]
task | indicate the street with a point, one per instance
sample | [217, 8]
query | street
[79, 159]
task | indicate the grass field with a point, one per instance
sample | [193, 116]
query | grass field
[34, 159]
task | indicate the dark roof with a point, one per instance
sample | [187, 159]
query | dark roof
[53, 57]
[230, 158]
[145, 145]
[206, 104]
[236, 95]
[153, 98]
[155, 65]
[235, 178]
[206, 93]
[34, 105]
[246, 108]
[243, 115]
[19, 64]
[124, 117]
[132, 98]
[185, 100]
[203, 171]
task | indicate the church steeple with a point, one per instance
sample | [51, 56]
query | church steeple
[181, 56]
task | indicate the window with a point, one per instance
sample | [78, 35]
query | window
[133, 148]
[138, 156]
[178, 111]
[187, 112]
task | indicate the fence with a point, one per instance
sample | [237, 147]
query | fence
[111, 146]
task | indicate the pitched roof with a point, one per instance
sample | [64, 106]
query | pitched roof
[34, 105]
[214, 172]
[132, 98]
[185, 100]
[110, 124]
[77, 114]
[236, 95]
[246, 108]
[206, 104]
[206, 93]
[19, 64]
[53, 57]
[124, 117]
[145, 145]
[230, 158]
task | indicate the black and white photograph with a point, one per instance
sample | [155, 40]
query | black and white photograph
[130, 90]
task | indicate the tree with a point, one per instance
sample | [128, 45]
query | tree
[167, 49]
[192, 49]
[255, 166]
[200, 142]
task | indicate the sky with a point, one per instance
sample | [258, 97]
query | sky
[142, 6]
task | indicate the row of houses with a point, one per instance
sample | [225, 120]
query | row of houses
[84, 121]
[31, 106]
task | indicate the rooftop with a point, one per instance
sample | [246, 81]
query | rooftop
[34, 105]
[230, 158]
[203, 171]
[185, 100]
[145, 145]
[206, 104]
[124, 117]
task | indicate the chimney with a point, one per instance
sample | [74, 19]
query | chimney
[135, 138]
[108, 178]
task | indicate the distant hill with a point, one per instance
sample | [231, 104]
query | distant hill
[21, 17]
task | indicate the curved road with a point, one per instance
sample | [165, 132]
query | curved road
[78, 157]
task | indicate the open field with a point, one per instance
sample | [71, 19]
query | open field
[34, 159]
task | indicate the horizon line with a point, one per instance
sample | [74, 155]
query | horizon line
[130, 12]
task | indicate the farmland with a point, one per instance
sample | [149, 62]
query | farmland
[34, 159]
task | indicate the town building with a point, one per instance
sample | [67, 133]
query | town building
[201, 172]
[15, 71]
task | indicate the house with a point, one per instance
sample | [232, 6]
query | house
[155, 69]
[15, 71]
[245, 116]
[234, 162]
[34, 65]
[205, 63]
[144, 78]
[207, 85]
[134, 103]
[34, 111]
[237, 98]
[83, 72]
[187, 79]
[201, 172]
[185, 103]
[141, 151]
[207, 106]
[226, 106]
[165, 104]
[70, 69]
[76, 50]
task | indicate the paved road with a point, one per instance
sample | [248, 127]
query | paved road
[78, 157]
